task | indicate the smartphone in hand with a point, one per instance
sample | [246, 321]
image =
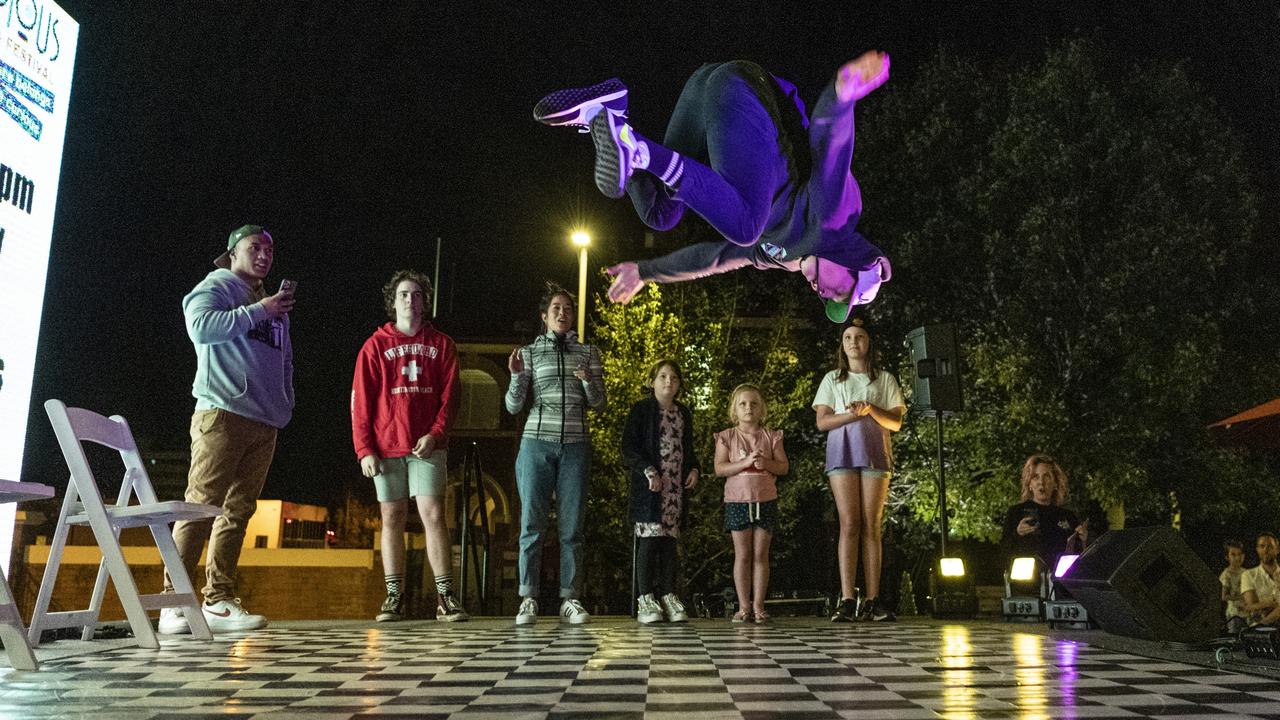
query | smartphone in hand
[288, 286]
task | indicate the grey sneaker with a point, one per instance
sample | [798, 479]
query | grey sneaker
[576, 107]
[674, 608]
[572, 612]
[448, 609]
[528, 613]
[647, 609]
[173, 622]
[617, 152]
[392, 608]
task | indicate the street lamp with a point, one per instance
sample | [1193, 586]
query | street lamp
[582, 240]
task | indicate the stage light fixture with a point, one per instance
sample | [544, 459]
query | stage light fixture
[1064, 564]
[1062, 610]
[951, 589]
[1025, 589]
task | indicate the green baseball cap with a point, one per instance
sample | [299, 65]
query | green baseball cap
[240, 233]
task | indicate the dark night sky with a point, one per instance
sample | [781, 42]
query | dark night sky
[358, 135]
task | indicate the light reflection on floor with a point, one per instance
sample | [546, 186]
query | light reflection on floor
[615, 668]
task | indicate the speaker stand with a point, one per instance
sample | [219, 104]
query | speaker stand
[942, 487]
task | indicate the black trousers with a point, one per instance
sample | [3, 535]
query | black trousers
[656, 565]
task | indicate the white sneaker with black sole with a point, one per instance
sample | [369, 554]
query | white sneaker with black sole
[572, 612]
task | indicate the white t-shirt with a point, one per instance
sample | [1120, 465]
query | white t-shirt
[884, 392]
[1257, 580]
[1231, 582]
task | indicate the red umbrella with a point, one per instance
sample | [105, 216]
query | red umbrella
[1257, 428]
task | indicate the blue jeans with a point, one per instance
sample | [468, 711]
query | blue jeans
[720, 120]
[544, 469]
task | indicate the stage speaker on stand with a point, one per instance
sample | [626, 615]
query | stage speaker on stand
[1146, 583]
[936, 358]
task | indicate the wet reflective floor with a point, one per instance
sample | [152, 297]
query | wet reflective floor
[800, 668]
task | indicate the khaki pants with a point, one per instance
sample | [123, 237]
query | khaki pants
[230, 456]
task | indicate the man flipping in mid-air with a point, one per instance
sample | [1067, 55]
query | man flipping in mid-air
[732, 154]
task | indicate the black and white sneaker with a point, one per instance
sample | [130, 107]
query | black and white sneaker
[617, 152]
[392, 608]
[875, 611]
[846, 611]
[576, 107]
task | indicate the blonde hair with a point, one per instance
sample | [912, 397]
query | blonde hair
[1058, 494]
[733, 400]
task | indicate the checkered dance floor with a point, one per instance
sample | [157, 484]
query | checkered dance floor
[801, 668]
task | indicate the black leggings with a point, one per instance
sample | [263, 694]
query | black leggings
[656, 565]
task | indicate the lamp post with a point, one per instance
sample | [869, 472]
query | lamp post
[582, 240]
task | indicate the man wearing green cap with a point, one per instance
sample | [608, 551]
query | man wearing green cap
[244, 395]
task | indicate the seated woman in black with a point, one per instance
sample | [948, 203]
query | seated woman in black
[1039, 525]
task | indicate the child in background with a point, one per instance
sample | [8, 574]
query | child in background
[750, 458]
[1237, 619]
[657, 450]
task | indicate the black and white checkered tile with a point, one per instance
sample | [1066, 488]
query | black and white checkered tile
[615, 668]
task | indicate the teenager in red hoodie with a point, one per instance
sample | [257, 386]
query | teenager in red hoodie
[403, 400]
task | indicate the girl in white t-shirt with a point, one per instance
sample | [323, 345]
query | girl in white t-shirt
[858, 405]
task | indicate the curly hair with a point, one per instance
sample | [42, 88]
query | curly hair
[873, 353]
[1059, 489]
[389, 290]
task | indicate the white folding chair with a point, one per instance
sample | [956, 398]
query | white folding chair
[83, 505]
[11, 629]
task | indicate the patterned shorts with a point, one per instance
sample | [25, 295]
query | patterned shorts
[740, 516]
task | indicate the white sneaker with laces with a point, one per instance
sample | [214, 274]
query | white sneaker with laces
[229, 616]
[674, 608]
[572, 612]
[528, 613]
[647, 609]
[173, 622]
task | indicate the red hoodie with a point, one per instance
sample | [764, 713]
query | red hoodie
[405, 386]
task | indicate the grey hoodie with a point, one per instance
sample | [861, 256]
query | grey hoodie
[244, 360]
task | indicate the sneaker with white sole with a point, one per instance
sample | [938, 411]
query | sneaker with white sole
[230, 616]
[528, 613]
[392, 608]
[576, 107]
[674, 608]
[572, 612]
[173, 622]
[448, 609]
[617, 153]
[647, 609]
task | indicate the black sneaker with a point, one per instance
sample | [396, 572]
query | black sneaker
[846, 611]
[392, 608]
[448, 609]
[875, 611]
[577, 106]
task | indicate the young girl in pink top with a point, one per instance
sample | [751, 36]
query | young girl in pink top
[750, 458]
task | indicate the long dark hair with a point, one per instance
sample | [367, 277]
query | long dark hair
[873, 354]
[550, 294]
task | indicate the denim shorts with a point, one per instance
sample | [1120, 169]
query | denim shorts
[411, 476]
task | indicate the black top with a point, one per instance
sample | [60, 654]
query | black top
[640, 450]
[1055, 525]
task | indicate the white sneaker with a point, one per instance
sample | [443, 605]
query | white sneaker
[648, 610]
[173, 622]
[571, 612]
[229, 616]
[528, 613]
[674, 608]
